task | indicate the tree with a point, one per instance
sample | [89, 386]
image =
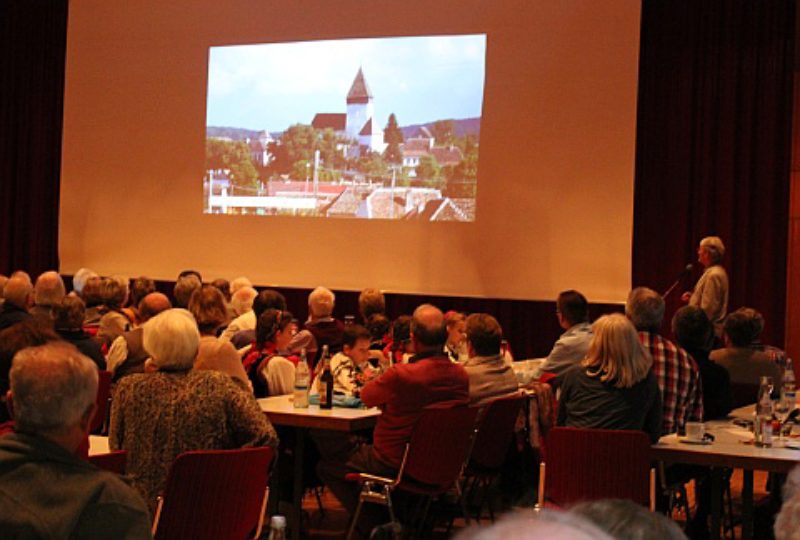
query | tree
[393, 138]
[372, 165]
[428, 169]
[243, 172]
[444, 132]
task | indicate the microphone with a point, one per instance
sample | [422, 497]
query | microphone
[684, 273]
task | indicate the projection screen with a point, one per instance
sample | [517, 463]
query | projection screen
[553, 203]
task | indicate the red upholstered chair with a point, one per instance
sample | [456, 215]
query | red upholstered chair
[215, 494]
[490, 449]
[590, 464]
[112, 461]
[432, 464]
[103, 396]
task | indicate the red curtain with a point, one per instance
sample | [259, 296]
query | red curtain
[714, 144]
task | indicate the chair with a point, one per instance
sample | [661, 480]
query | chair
[103, 397]
[493, 438]
[215, 494]
[115, 462]
[590, 464]
[432, 463]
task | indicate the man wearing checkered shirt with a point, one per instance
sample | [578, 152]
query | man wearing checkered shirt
[676, 372]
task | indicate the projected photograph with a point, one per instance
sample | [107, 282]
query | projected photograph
[385, 128]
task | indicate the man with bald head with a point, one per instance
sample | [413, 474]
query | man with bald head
[49, 291]
[403, 392]
[18, 294]
[127, 354]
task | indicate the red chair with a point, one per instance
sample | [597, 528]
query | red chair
[432, 464]
[115, 462]
[215, 495]
[103, 397]
[493, 439]
[591, 464]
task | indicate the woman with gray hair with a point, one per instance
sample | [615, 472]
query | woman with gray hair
[711, 291]
[156, 416]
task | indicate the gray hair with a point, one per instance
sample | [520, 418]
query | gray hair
[321, 301]
[428, 326]
[184, 288]
[623, 518]
[787, 522]
[18, 291]
[49, 289]
[80, 278]
[171, 339]
[242, 300]
[240, 283]
[530, 524]
[714, 247]
[645, 309]
[52, 385]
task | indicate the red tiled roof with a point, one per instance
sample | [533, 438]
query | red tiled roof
[367, 129]
[359, 91]
[335, 121]
[447, 155]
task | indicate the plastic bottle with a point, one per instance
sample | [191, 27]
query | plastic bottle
[789, 384]
[762, 426]
[277, 528]
[302, 376]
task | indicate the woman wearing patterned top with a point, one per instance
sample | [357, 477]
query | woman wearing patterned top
[156, 416]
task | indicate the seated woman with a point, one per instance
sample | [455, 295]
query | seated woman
[207, 304]
[271, 373]
[68, 318]
[113, 322]
[613, 387]
[456, 346]
[156, 416]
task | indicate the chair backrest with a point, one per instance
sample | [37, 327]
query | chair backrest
[215, 494]
[496, 432]
[439, 446]
[115, 462]
[103, 393]
[590, 464]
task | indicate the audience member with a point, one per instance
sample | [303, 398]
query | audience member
[114, 321]
[184, 288]
[207, 305]
[787, 522]
[224, 286]
[93, 296]
[677, 374]
[402, 393]
[572, 311]
[22, 274]
[187, 273]
[269, 367]
[626, 520]
[3, 281]
[18, 294]
[351, 368]
[46, 491]
[156, 416]
[240, 283]
[456, 345]
[371, 302]
[613, 387]
[48, 291]
[695, 334]
[242, 330]
[532, 525]
[400, 348]
[68, 323]
[490, 376]
[80, 278]
[320, 328]
[127, 354]
[711, 291]
[140, 287]
[744, 361]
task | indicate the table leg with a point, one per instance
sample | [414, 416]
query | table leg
[716, 502]
[297, 487]
[747, 504]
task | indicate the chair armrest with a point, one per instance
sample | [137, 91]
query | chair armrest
[366, 477]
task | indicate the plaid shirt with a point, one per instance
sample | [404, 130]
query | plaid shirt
[679, 379]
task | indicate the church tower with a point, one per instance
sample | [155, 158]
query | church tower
[359, 106]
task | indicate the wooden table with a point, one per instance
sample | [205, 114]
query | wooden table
[281, 412]
[732, 448]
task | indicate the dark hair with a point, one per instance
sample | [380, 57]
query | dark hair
[269, 323]
[224, 286]
[268, 299]
[573, 307]
[401, 331]
[353, 333]
[184, 288]
[744, 326]
[185, 273]
[208, 307]
[692, 328]
[69, 313]
[484, 333]
[378, 326]
[141, 287]
[92, 292]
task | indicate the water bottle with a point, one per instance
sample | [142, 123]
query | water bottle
[302, 376]
[277, 528]
[788, 377]
[762, 427]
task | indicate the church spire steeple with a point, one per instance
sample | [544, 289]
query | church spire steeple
[359, 91]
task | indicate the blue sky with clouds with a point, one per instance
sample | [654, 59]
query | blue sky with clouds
[272, 86]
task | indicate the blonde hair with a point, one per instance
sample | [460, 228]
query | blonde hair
[615, 354]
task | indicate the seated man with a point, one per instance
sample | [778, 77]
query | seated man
[126, 354]
[48, 291]
[18, 295]
[351, 367]
[572, 311]
[402, 393]
[490, 376]
[45, 490]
